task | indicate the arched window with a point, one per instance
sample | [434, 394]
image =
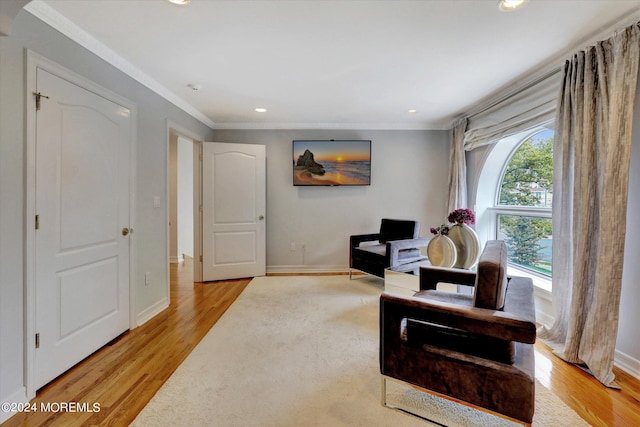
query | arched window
[513, 201]
[523, 207]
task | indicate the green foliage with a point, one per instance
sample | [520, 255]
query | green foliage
[522, 236]
[531, 165]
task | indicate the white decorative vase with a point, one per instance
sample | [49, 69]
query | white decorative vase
[441, 251]
[467, 245]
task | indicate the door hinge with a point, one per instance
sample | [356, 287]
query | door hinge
[38, 96]
[37, 222]
[200, 258]
[200, 208]
[38, 340]
[201, 157]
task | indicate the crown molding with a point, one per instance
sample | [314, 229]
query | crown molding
[330, 126]
[51, 17]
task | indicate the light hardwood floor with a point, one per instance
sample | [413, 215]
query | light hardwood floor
[124, 375]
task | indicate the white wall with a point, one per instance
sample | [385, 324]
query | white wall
[185, 197]
[409, 180]
[173, 198]
[628, 345]
[151, 227]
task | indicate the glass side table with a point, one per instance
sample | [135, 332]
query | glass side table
[408, 283]
[399, 282]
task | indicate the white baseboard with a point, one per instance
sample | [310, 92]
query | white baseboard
[628, 364]
[20, 397]
[301, 269]
[152, 311]
[176, 259]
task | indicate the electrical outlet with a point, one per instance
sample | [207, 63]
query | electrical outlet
[147, 278]
[293, 247]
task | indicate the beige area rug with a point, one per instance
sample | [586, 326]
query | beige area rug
[303, 351]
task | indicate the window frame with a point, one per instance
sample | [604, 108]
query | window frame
[488, 209]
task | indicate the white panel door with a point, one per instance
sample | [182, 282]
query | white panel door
[233, 211]
[82, 205]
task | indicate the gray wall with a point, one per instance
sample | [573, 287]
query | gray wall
[628, 332]
[151, 228]
[409, 180]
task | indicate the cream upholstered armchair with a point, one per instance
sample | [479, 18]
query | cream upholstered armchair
[477, 348]
[397, 244]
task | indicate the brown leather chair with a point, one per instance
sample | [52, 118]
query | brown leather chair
[397, 244]
[477, 348]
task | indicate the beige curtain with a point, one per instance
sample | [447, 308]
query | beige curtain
[528, 107]
[591, 183]
[457, 168]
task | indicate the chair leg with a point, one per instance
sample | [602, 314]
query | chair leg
[383, 400]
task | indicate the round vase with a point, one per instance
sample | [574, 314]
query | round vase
[441, 251]
[467, 245]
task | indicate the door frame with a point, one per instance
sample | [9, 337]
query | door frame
[173, 127]
[33, 62]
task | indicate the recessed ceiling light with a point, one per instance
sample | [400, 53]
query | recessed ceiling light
[412, 111]
[180, 2]
[509, 5]
[261, 110]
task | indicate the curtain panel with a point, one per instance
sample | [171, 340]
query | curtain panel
[532, 106]
[591, 184]
[457, 168]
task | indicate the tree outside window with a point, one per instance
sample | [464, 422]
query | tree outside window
[525, 201]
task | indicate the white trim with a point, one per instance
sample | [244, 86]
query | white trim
[19, 396]
[176, 259]
[33, 62]
[51, 17]
[197, 220]
[152, 311]
[627, 364]
[302, 269]
[335, 126]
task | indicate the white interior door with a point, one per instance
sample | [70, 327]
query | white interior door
[233, 210]
[82, 206]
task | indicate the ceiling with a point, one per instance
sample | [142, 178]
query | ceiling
[334, 64]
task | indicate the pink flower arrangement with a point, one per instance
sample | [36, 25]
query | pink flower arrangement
[462, 216]
[443, 230]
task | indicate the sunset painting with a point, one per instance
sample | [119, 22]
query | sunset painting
[328, 163]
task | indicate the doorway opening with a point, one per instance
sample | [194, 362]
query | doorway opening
[183, 200]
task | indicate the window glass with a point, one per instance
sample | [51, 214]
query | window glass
[528, 241]
[528, 178]
[524, 204]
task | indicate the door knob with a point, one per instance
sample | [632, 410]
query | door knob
[125, 231]
[261, 217]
